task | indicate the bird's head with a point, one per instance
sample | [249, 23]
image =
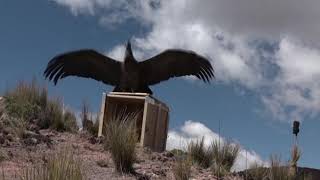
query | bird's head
[129, 53]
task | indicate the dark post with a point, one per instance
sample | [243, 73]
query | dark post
[295, 128]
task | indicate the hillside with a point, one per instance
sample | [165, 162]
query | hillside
[39, 137]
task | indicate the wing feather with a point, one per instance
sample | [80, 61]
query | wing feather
[84, 63]
[175, 63]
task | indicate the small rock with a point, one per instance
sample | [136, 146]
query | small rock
[102, 163]
[27, 134]
[10, 137]
[136, 166]
[6, 130]
[75, 146]
[168, 154]
[31, 141]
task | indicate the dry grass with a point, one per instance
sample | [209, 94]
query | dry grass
[60, 166]
[224, 156]
[278, 170]
[257, 172]
[199, 154]
[182, 169]
[219, 157]
[295, 156]
[121, 139]
[28, 103]
[89, 123]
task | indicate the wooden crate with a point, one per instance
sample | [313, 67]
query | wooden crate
[153, 122]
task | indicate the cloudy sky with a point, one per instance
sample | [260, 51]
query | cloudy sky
[266, 56]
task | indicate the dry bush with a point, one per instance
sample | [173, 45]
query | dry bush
[224, 156]
[199, 154]
[29, 103]
[121, 139]
[182, 169]
[60, 166]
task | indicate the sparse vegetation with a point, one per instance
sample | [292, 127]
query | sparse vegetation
[256, 172]
[182, 168]
[89, 123]
[60, 166]
[295, 156]
[28, 104]
[121, 139]
[277, 171]
[224, 156]
[199, 154]
[219, 157]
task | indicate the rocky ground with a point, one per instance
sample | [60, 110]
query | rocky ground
[96, 162]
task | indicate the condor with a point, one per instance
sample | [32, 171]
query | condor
[129, 75]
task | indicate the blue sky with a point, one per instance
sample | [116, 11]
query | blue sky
[262, 84]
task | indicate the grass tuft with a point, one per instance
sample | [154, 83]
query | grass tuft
[224, 156]
[88, 122]
[60, 166]
[256, 171]
[28, 103]
[121, 139]
[199, 154]
[278, 170]
[182, 169]
[295, 156]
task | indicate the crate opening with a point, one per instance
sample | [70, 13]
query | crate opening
[120, 107]
[151, 117]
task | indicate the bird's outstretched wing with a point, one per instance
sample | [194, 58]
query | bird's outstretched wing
[175, 63]
[84, 63]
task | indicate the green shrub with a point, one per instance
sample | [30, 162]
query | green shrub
[199, 154]
[121, 140]
[60, 166]
[29, 103]
[25, 100]
[224, 157]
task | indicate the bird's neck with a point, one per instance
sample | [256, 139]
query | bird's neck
[129, 60]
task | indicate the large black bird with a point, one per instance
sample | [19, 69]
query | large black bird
[129, 75]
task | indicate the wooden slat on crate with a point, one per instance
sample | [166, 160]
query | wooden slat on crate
[101, 115]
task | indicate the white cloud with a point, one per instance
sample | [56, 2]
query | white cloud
[224, 31]
[295, 92]
[272, 18]
[117, 52]
[192, 131]
[78, 6]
